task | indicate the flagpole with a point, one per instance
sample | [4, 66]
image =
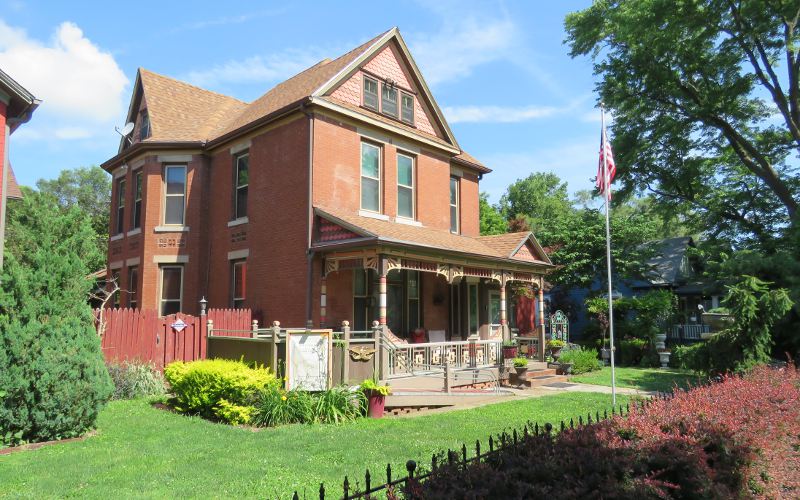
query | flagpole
[607, 193]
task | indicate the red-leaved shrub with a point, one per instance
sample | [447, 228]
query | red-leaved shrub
[738, 438]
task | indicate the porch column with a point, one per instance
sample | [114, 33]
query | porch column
[382, 300]
[503, 320]
[541, 325]
[323, 299]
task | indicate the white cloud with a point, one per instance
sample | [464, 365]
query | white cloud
[70, 133]
[70, 74]
[498, 114]
[454, 51]
[258, 69]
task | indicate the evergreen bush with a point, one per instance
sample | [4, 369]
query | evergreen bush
[52, 375]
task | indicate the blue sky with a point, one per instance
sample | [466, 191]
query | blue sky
[499, 70]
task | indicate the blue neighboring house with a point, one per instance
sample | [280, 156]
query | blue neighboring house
[672, 268]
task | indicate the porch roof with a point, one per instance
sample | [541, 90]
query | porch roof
[360, 229]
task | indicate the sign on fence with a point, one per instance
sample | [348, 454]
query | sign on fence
[308, 359]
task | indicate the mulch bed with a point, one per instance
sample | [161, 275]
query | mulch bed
[36, 446]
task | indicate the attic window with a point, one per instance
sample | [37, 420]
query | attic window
[144, 126]
[389, 100]
[370, 93]
[407, 108]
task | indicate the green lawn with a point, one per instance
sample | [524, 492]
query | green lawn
[645, 379]
[143, 452]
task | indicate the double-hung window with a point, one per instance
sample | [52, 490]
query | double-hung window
[175, 195]
[133, 286]
[405, 186]
[144, 126]
[407, 108]
[370, 177]
[171, 289]
[370, 93]
[136, 216]
[120, 206]
[454, 205]
[238, 283]
[116, 284]
[242, 183]
[389, 100]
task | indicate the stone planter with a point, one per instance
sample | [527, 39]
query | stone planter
[565, 369]
[555, 353]
[661, 338]
[522, 375]
[663, 356]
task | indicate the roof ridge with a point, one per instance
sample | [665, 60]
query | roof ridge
[159, 75]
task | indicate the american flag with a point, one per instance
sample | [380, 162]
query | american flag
[605, 151]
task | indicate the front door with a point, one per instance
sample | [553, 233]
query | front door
[394, 309]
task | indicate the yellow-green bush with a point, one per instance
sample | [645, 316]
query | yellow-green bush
[200, 386]
[233, 413]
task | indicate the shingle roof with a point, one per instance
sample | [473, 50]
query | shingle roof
[667, 266]
[292, 90]
[470, 160]
[393, 232]
[179, 111]
[13, 188]
[505, 244]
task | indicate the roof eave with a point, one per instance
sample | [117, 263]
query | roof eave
[479, 168]
[140, 147]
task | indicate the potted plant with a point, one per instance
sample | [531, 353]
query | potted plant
[521, 367]
[376, 397]
[554, 346]
[509, 349]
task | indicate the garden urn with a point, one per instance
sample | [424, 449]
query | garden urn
[661, 338]
[664, 358]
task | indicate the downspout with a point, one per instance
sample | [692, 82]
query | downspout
[310, 219]
[206, 208]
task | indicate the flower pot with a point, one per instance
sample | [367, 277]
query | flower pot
[661, 338]
[522, 375]
[509, 352]
[663, 356]
[376, 405]
[555, 353]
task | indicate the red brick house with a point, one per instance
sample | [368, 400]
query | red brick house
[340, 194]
[16, 107]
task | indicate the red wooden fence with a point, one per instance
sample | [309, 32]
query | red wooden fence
[133, 334]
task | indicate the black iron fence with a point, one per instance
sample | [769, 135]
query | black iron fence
[461, 457]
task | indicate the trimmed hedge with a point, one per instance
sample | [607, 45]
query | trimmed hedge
[201, 386]
[735, 439]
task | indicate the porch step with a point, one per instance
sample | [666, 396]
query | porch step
[536, 379]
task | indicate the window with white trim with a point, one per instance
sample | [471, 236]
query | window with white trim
[120, 205]
[171, 289]
[144, 126]
[242, 183]
[370, 93]
[407, 108]
[238, 283]
[175, 195]
[370, 177]
[136, 215]
[454, 205]
[115, 277]
[405, 186]
[389, 100]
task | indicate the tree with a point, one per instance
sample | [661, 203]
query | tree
[706, 102]
[88, 188]
[492, 221]
[52, 374]
[541, 198]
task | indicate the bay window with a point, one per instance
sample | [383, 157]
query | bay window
[175, 195]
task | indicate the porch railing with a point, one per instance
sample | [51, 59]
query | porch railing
[406, 359]
[687, 331]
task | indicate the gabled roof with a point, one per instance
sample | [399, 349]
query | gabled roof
[183, 113]
[509, 244]
[668, 266]
[379, 230]
[13, 188]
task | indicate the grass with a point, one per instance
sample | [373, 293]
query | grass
[645, 379]
[143, 452]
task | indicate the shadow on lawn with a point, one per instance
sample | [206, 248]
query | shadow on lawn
[659, 381]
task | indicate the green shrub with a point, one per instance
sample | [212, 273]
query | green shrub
[135, 380]
[368, 386]
[274, 406]
[200, 385]
[690, 357]
[631, 351]
[232, 413]
[52, 375]
[583, 360]
[520, 362]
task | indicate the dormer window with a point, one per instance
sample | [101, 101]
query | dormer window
[370, 93]
[144, 126]
[389, 100]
